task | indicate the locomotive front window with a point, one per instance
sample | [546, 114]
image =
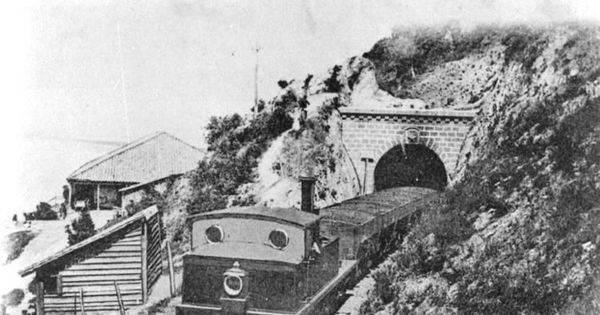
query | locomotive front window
[214, 234]
[279, 238]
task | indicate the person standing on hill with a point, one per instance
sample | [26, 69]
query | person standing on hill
[63, 210]
[130, 208]
[66, 194]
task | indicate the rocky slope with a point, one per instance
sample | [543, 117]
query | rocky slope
[518, 233]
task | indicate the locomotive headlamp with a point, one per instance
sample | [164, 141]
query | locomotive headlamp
[233, 285]
[234, 280]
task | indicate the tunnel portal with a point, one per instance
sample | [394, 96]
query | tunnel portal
[410, 165]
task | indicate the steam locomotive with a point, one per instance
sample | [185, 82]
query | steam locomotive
[268, 261]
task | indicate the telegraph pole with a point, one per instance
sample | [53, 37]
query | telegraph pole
[257, 50]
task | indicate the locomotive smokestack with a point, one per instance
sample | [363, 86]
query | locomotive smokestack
[307, 189]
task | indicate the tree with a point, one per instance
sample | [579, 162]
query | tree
[43, 211]
[81, 228]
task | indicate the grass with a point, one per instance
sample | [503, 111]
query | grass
[17, 242]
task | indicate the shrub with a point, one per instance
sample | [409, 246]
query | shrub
[523, 44]
[43, 211]
[81, 228]
[14, 297]
[235, 146]
[332, 83]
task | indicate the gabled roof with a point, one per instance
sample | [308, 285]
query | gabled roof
[144, 214]
[287, 215]
[154, 156]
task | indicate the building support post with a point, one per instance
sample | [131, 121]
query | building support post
[82, 303]
[39, 301]
[171, 271]
[119, 299]
[72, 196]
[144, 261]
[98, 197]
[367, 160]
[70, 201]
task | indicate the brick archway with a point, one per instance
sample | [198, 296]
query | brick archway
[369, 134]
[412, 164]
[400, 139]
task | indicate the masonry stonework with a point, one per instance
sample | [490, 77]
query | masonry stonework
[369, 134]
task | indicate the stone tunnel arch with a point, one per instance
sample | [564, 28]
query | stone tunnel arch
[410, 165]
[368, 134]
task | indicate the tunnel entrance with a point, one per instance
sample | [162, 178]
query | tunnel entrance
[415, 165]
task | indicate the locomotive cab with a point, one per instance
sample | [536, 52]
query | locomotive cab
[255, 260]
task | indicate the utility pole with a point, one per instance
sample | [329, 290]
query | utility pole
[257, 50]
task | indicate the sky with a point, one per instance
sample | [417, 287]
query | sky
[116, 70]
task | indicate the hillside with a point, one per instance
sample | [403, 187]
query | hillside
[518, 232]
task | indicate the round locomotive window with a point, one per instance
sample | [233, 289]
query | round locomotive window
[279, 238]
[214, 234]
[233, 285]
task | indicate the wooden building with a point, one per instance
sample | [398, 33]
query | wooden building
[157, 156]
[127, 255]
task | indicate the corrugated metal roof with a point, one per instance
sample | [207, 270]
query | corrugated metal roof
[290, 215]
[155, 156]
[144, 214]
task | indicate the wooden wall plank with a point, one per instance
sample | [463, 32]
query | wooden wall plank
[92, 306]
[115, 260]
[94, 293]
[116, 271]
[70, 279]
[134, 265]
[95, 299]
[103, 287]
[122, 249]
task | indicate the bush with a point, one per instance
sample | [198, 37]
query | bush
[81, 228]
[43, 211]
[14, 297]
[333, 84]
[236, 146]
